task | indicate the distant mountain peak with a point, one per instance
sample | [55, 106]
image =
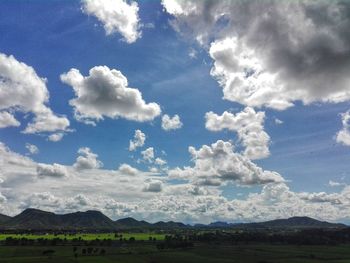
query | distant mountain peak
[36, 219]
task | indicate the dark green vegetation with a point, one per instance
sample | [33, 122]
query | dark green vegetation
[200, 253]
[39, 236]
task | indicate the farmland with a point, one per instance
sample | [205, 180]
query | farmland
[199, 253]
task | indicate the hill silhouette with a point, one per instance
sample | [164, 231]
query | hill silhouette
[35, 219]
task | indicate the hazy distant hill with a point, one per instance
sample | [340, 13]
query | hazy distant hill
[293, 222]
[296, 222]
[94, 220]
[170, 224]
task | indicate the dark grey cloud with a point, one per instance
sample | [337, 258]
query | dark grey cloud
[273, 53]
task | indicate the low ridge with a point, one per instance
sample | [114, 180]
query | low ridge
[35, 219]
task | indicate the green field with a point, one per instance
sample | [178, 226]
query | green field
[137, 236]
[200, 253]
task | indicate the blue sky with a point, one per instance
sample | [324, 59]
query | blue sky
[53, 37]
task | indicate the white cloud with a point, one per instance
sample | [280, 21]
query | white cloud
[122, 196]
[153, 169]
[278, 121]
[153, 186]
[335, 184]
[160, 161]
[105, 92]
[272, 54]
[87, 160]
[249, 126]
[33, 149]
[11, 158]
[192, 53]
[7, 120]
[343, 136]
[218, 164]
[3, 199]
[54, 170]
[138, 141]
[56, 137]
[127, 169]
[21, 89]
[116, 16]
[169, 123]
[148, 154]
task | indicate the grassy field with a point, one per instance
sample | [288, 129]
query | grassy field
[137, 236]
[200, 253]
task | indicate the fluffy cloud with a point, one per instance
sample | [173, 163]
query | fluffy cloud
[127, 169]
[148, 154]
[56, 137]
[343, 136]
[272, 54]
[138, 141]
[87, 160]
[249, 126]
[335, 184]
[153, 186]
[9, 158]
[169, 123]
[278, 121]
[105, 92]
[116, 16]
[21, 89]
[3, 199]
[54, 170]
[159, 161]
[33, 149]
[321, 197]
[8, 120]
[218, 163]
[153, 198]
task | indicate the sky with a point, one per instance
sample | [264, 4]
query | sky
[193, 111]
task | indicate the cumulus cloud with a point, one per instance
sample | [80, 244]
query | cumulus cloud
[321, 197]
[272, 54]
[335, 184]
[7, 120]
[9, 158]
[138, 141]
[105, 93]
[343, 136]
[33, 149]
[21, 89]
[148, 154]
[160, 161]
[87, 160]
[54, 170]
[278, 121]
[153, 186]
[56, 137]
[249, 126]
[117, 196]
[218, 163]
[3, 199]
[127, 169]
[171, 123]
[116, 16]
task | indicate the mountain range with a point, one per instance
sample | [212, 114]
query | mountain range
[35, 219]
